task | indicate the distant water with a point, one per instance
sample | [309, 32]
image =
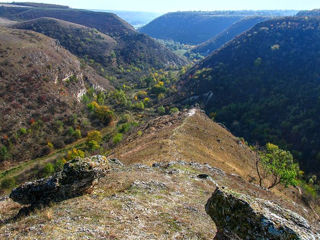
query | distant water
[136, 19]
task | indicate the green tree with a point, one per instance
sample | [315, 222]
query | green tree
[117, 138]
[279, 165]
[94, 139]
[47, 170]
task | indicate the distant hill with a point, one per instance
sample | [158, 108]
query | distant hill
[188, 27]
[197, 27]
[265, 86]
[312, 13]
[42, 5]
[132, 49]
[236, 29]
[40, 90]
[79, 40]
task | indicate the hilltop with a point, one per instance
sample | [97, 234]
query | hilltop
[188, 27]
[264, 85]
[194, 28]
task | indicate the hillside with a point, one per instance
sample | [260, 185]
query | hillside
[133, 50]
[265, 86]
[41, 88]
[194, 28]
[79, 40]
[234, 30]
[165, 187]
[188, 27]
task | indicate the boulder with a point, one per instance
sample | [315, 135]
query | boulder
[239, 216]
[77, 177]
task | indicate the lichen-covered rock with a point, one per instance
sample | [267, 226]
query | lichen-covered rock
[77, 177]
[239, 216]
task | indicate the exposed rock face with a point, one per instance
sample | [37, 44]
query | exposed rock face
[77, 177]
[239, 216]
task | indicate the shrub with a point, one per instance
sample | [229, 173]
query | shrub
[48, 170]
[74, 153]
[124, 128]
[50, 145]
[94, 139]
[104, 114]
[8, 183]
[142, 94]
[22, 131]
[174, 110]
[139, 106]
[70, 131]
[139, 133]
[77, 134]
[93, 145]
[161, 110]
[58, 166]
[94, 135]
[117, 138]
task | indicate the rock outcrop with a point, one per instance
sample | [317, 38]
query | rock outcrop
[239, 216]
[77, 177]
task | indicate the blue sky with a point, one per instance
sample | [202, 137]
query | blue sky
[183, 5]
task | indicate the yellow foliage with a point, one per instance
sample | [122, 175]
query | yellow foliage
[72, 154]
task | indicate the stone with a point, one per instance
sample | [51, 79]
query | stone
[77, 178]
[239, 216]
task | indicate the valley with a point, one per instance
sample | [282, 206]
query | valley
[194, 125]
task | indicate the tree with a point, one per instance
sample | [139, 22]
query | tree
[278, 164]
[94, 139]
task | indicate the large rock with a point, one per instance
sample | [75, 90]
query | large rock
[239, 216]
[77, 177]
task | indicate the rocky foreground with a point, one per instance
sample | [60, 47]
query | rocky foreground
[96, 198]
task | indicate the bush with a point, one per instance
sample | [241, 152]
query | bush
[8, 183]
[174, 110]
[48, 170]
[94, 139]
[77, 134]
[117, 138]
[104, 114]
[139, 106]
[74, 153]
[93, 145]
[161, 110]
[23, 131]
[58, 166]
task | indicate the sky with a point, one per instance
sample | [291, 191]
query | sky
[185, 5]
